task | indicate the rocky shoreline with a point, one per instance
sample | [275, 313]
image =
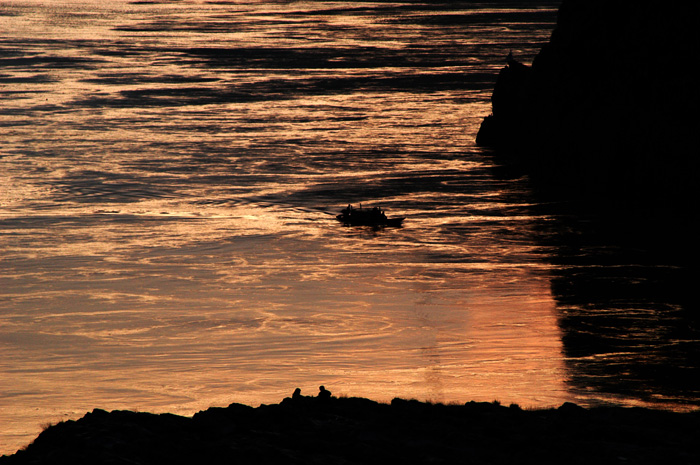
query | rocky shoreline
[330, 430]
[606, 115]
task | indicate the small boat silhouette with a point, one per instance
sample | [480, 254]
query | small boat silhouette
[367, 217]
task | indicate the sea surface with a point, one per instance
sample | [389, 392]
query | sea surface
[169, 179]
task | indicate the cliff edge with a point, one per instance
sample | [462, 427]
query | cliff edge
[608, 110]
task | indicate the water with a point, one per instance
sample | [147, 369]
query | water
[170, 178]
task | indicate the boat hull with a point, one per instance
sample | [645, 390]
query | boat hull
[391, 222]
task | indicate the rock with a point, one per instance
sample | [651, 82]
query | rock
[355, 430]
[608, 109]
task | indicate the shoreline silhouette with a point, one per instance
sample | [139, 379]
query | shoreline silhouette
[327, 429]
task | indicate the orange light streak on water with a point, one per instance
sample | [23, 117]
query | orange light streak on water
[168, 240]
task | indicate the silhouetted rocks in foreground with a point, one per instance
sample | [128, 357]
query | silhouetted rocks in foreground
[329, 430]
[608, 111]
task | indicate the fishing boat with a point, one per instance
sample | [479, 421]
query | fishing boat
[367, 217]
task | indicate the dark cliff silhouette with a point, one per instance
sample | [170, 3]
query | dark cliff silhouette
[608, 111]
[605, 123]
[307, 430]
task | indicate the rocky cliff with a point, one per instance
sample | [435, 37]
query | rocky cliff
[609, 108]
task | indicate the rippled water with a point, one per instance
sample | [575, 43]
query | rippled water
[170, 178]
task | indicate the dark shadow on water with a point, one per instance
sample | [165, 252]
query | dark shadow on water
[600, 126]
[624, 285]
[627, 306]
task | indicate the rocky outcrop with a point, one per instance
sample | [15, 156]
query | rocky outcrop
[329, 430]
[609, 107]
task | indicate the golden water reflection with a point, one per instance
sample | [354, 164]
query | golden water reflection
[186, 314]
[170, 180]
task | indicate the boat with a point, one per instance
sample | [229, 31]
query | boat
[367, 217]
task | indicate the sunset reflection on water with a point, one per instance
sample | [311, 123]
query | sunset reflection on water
[193, 312]
[171, 175]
